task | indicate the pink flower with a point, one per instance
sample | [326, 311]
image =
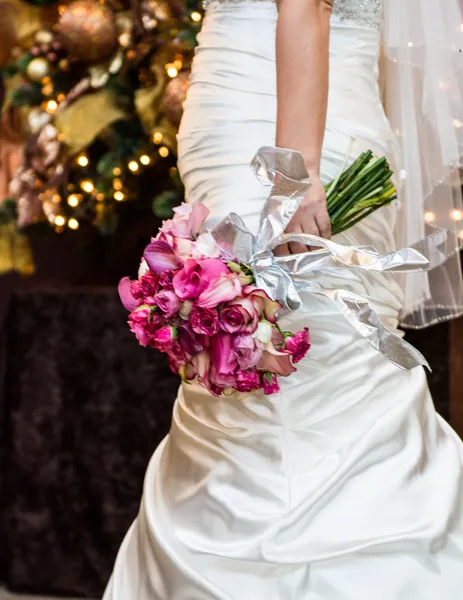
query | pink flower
[239, 316]
[222, 289]
[276, 362]
[298, 345]
[195, 276]
[247, 353]
[145, 288]
[163, 338]
[144, 324]
[125, 294]
[223, 356]
[165, 280]
[204, 320]
[270, 382]
[205, 247]
[160, 257]
[187, 221]
[202, 365]
[190, 342]
[168, 303]
[263, 303]
[247, 381]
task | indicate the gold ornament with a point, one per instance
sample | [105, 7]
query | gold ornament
[44, 37]
[88, 30]
[38, 68]
[174, 97]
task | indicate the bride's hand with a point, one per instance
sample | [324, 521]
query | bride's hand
[311, 217]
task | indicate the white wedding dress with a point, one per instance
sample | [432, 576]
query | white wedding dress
[346, 485]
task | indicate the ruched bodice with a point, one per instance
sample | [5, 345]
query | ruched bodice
[362, 12]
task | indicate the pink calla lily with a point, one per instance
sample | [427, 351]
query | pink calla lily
[160, 257]
[224, 288]
[125, 294]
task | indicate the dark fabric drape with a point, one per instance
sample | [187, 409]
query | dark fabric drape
[83, 409]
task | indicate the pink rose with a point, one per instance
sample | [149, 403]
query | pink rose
[222, 380]
[145, 288]
[264, 304]
[247, 353]
[144, 324]
[239, 316]
[276, 362]
[195, 276]
[125, 294]
[165, 280]
[204, 320]
[163, 338]
[270, 382]
[298, 345]
[222, 289]
[160, 257]
[222, 354]
[247, 381]
[168, 303]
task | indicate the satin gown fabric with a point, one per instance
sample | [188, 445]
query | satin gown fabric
[346, 485]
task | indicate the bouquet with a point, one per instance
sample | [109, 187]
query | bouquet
[203, 309]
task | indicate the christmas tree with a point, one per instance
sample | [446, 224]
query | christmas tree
[98, 86]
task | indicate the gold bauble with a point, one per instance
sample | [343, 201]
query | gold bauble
[44, 37]
[88, 30]
[174, 97]
[37, 69]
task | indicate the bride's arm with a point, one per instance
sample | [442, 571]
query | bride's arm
[302, 57]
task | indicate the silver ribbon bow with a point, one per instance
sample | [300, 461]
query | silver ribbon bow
[283, 278]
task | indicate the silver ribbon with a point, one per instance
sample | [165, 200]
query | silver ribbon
[283, 278]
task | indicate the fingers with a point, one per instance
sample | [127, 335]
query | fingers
[282, 250]
[323, 222]
[306, 226]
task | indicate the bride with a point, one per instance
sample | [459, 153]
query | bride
[345, 485]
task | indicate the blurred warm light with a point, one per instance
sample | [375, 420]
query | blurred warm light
[145, 159]
[124, 39]
[82, 160]
[52, 105]
[457, 215]
[163, 151]
[117, 184]
[429, 217]
[173, 171]
[133, 166]
[73, 200]
[157, 137]
[171, 70]
[60, 220]
[100, 196]
[73, 224]
[195, 16]
[61, 97]
[116, 171]
[457, 123]
[47, 89]
[119, 196]
[178, 63]
[87, 185]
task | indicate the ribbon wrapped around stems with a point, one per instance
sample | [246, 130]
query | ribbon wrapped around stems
[283, 278]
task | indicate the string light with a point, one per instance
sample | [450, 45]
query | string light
[52, 105]
[163, 151]
[173, 171]
[171, 70]
[124, 39]
[82, 160]
[117, 184]
[60, 220]
[119, 196]
[178, 63]
[116, 171]
[73, 224]
[87, 185]
[195, 16]
[457, 215]
[457, 123]
[429, 217]
[47, 89]
[60, 97]
[145, 159]
[100, 197]
[157, 137]
[133, 166]
[73, 200]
